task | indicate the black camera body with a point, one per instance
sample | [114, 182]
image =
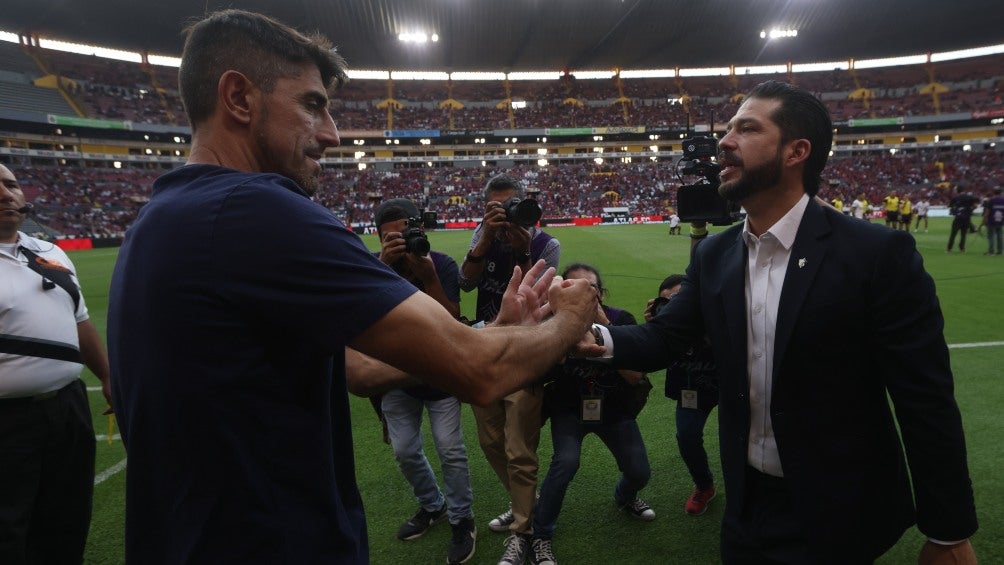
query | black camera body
[701, 202]
[415, 240]
[658, 304]
[524, 213]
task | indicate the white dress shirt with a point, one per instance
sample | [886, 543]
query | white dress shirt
[767, 263]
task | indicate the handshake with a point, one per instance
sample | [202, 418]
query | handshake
[532, 296]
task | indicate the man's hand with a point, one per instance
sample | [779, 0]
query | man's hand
[519, 238]
[393, 247]
[601, 315]
[937, 554]
[587, 347]
[574, 295]
[422, 267]
[494, 221]
[525, 300]
[648, 309]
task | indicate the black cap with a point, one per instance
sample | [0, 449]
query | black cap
[395, 209]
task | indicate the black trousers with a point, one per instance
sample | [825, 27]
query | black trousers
[768, 531]
[961, 228]
[46, 477]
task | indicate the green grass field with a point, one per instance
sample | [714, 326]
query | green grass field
[633, 260]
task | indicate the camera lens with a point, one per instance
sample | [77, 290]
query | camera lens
[524, 213]
[417, 243]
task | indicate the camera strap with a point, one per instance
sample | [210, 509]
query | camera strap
[53, 275]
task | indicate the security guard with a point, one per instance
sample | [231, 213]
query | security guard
[47, 441]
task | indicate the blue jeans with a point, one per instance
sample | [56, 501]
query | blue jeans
[994, 236]
[622, 438]
[404, 426]
[690, 438]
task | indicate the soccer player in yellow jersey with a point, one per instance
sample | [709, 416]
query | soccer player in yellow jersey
[838, 203]
[905, 213]
[892, 211]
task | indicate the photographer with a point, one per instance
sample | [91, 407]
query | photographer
[690, 381]
[402, 244]
[584, 398]
[509, 428]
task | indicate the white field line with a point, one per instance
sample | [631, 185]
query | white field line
[981, 344]
[109, 472]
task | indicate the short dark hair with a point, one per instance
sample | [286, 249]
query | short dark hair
[670, 282]
[504, 181]
[254, 45]
[801, 116]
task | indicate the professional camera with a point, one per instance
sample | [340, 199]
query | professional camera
[701, 202]
[524, 213]
[657, 305]
[415, 240]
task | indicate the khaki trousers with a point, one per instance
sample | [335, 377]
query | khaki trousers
[509, 432]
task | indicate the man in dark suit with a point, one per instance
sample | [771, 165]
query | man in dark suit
[814, 468]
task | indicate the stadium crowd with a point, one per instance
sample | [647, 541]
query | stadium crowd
[102, 202]
[144, 93]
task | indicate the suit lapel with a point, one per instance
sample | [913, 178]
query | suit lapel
[733, 273]
[807, 254]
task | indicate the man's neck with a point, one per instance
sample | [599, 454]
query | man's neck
[764, 209]
[8, 235]
[213, 146]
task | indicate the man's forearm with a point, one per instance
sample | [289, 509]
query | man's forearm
[366, 376]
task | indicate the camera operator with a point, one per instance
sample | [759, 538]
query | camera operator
[509, 428]
[405, 248]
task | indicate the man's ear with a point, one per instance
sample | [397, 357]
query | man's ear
[797, 151]
[236, 94]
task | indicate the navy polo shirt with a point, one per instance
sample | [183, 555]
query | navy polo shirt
[231, 301]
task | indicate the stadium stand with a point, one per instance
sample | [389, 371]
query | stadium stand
[85, 195]
[149, 94]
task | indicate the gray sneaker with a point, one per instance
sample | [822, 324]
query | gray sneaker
[541, 552]
[502, 522]
[516, 548]
[420, 523]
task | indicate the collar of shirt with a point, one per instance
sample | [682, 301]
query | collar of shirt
[29, 242]
[22, 240]
[785, 229]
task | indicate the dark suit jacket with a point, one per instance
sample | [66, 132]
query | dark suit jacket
[857, 319]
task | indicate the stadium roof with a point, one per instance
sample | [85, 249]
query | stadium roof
[546, 35]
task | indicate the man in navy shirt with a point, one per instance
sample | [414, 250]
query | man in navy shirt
[231, 306]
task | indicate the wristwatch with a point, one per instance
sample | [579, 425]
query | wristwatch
[473, 259]
[597, 334]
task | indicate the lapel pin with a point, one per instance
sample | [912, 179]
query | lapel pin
[801, 262]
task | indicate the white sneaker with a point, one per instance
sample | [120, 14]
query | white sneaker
[639, 509]
[502, 522]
